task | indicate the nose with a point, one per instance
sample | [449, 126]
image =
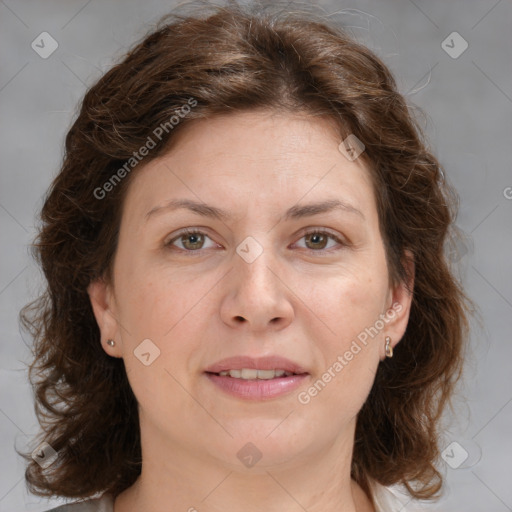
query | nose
[257, 296]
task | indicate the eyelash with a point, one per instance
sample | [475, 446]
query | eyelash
[188, 231]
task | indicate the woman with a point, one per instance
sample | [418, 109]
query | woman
[248, 301]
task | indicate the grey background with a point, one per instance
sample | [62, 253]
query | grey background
[468, 106]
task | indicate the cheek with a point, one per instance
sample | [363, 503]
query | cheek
[168, 308]
[152, 300]
[159, 308]
[350, 303]
[351, 308]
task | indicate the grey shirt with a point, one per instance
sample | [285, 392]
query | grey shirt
[103, 504]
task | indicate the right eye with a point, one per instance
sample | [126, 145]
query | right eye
[192, 240]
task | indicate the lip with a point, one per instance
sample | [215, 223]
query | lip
[258, 363]
[257, 389]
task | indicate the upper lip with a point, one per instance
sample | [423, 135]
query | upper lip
[259, 363]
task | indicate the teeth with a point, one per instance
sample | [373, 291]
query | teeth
[251, 374]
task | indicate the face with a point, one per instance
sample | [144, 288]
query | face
[266, 278]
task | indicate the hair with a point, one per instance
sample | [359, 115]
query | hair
[223, 60]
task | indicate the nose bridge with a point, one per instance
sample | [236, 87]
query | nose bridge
[256, 293]
[253, 261]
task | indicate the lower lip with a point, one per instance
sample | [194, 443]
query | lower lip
[257, 389]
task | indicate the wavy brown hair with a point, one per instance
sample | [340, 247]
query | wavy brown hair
[233, 58]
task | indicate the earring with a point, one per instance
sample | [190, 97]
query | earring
[389, 348]
[111, 342]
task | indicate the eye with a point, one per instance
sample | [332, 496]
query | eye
[192, 240]
[317, 240]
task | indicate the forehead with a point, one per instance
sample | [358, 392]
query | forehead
[272, 160]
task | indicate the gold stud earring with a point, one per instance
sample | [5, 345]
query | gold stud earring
[389, 348]
[111, 342]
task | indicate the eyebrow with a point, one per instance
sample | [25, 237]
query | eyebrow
[295, 212]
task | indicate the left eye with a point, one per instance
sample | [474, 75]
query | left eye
[193, 240]
[320, 239]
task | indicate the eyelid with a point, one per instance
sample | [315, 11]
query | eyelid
[326, 231]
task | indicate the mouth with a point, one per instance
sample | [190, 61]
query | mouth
[262, 365]
[256, 379]
[254, 374]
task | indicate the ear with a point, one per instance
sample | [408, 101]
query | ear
[399, 305]
[103, 306]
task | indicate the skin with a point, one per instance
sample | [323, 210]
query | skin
[291, 301]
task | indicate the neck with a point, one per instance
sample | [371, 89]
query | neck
[177, 478]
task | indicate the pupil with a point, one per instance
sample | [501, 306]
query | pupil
[192, 239]
[315, 239]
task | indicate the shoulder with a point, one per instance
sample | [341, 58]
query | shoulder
[103, 504]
